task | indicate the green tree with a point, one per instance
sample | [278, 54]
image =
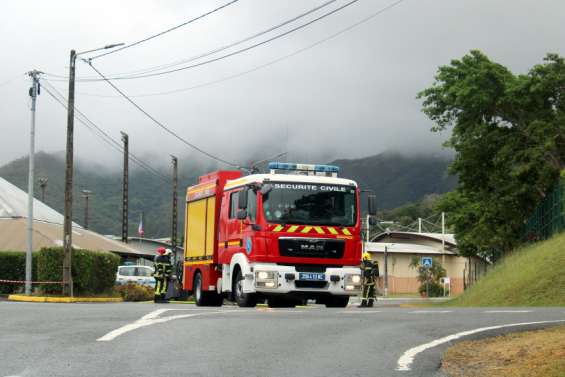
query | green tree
[508, 132]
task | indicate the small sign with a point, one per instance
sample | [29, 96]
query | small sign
[426, 262]
[445, 280]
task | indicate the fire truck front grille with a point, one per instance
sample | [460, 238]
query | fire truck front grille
[311, 248]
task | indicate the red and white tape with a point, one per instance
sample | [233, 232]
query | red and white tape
[33, 282]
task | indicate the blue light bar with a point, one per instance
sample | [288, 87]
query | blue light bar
[303, 167]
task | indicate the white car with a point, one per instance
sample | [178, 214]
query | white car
[142, 275]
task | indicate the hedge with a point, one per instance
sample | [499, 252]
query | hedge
[13, 267]
[94, 272]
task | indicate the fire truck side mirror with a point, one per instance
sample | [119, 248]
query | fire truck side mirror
[242, 198]
[372, 205]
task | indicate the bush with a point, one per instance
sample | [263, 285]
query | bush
[93, 272]
[429, 278]
[432, 290]
[13, 267]
[134, 292]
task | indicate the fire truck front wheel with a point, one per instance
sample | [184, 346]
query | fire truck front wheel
[243, 300]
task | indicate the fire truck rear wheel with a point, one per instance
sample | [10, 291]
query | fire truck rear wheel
[203, 298]
[243, 300]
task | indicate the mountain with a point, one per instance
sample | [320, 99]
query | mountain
[396, 179]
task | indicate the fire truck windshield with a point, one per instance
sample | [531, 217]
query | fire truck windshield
[311, 204]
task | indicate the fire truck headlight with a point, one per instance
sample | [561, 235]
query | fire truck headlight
[262, 275]
[352, 281]
[266, 279]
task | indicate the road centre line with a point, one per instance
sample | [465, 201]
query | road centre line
[508, 311]
[151, 319]
[407, 358]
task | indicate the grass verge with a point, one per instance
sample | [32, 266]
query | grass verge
[539, 353]
[530, 276]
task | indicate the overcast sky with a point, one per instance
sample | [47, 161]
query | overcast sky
[351, 96]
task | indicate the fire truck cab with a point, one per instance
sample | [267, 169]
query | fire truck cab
[283, 237]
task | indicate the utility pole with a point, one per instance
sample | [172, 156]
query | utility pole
[43, 186]
[86, 195]
[125, 188]
[33, 93]
[419, 225]
[68, 212]
[386, 271]
[175, 206]
[443, 239]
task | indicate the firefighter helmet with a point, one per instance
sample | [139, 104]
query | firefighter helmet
[366, 256]
[161, 250]
[168, 251]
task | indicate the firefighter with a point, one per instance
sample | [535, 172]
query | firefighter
[162, 274]
[370, 271]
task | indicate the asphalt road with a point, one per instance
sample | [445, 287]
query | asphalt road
[141, 339]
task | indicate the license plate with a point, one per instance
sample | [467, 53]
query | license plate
[311, 276]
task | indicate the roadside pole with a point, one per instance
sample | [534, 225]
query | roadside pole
[125, 188]
[174, 220]
[33, 93]
[386, 271]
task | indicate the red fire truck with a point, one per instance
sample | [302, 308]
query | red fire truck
[282, 237]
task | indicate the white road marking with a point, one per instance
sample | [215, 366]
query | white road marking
[405, 361]
[508, 311]
[148, 320]
[430, 311]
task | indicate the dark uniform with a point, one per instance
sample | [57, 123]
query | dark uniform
[370, 271]
[162, 274]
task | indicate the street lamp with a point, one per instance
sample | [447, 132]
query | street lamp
[68, 221]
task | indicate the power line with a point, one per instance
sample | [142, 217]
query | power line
[240, 51]
[166, 31]
[102, 134]
[228, 46]
[208, 53]
[171, 132]
[259, 67]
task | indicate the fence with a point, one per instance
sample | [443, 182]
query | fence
[549, 216]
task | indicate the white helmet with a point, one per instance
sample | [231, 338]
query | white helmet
[168, 252]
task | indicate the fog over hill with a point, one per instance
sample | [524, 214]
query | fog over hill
[395, 178]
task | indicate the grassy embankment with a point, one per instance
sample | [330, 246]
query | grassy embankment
[531, 276]
[538, 353]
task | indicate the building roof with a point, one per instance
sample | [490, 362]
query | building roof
[13, 204]
[45, 234]
[437, 237]
[47, 226]
[404, 248]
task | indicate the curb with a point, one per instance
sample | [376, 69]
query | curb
[24, 298]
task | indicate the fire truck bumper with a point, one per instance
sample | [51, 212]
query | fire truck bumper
[267, 278]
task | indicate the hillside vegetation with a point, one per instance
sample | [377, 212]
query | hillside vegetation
[396, 180]
[531, 276]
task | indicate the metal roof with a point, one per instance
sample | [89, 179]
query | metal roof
[438, 237]
[404, 248]
[45, 234]
[13, 204]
